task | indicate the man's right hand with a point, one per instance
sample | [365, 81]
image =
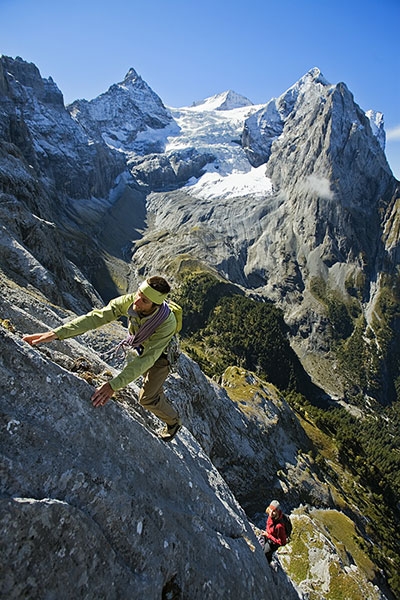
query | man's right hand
[34, 339]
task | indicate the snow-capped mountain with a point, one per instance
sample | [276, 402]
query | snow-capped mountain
[225, 101]
[134, 107]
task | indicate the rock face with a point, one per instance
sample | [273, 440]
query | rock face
[99, 505]
[324, 218]
[61, 185]
[162, 171]
[32, 249]
[37, 122]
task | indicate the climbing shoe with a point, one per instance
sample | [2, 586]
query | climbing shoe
[169, 432]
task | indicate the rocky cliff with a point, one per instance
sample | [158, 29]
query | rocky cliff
[94, 504]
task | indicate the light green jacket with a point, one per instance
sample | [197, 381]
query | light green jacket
[153, 347]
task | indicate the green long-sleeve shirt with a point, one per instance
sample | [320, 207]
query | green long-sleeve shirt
[153, 347]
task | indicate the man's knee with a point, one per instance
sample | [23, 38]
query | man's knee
[149, 400]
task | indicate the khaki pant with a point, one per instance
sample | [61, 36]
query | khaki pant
[151, 395]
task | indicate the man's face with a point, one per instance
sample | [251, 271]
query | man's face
[143, 304]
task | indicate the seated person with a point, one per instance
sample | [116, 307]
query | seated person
[274, 535]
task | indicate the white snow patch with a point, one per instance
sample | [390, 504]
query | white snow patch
[377, 125]
[236, 184]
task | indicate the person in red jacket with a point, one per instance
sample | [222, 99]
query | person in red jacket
[274, 535]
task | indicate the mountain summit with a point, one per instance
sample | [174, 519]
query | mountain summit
[228, 100]
[119, 114]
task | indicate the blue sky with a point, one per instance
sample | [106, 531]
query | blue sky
[187, 50]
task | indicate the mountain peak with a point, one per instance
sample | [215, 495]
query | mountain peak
[131, 76]
[315, 75]
[227, 100]
[309, 80]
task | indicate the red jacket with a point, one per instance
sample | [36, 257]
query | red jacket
[275, 531]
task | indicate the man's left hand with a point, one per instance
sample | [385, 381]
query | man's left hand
[102, 395]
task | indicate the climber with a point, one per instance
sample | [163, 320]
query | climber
[152, 325]
[274, 535]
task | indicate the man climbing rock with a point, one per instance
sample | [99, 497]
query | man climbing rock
[152, 325]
